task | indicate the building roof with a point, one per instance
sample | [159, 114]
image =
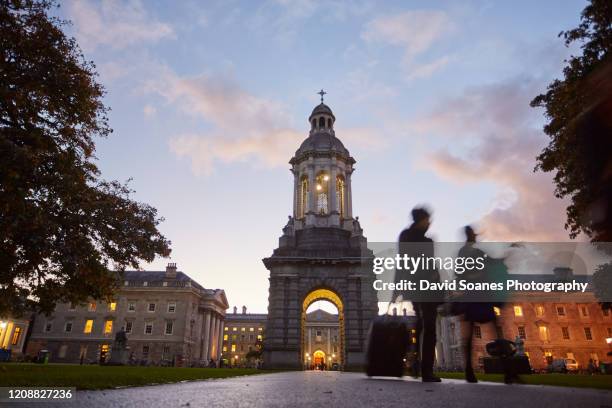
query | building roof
[245, 317]
[320, 315]
[158, 277]
[322, 108]
[322, 142]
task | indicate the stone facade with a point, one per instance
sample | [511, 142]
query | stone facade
[572, 326]
[322, 253]
[168, 317]
[13, 334]
[243, 332]
[322, 339]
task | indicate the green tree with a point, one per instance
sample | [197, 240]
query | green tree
[63, 229]
[579, 112]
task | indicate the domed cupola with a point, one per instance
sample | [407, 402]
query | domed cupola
[322, 118]
[322, 168]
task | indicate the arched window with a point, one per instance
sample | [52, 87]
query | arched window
[303, 205]
[322, 187]
[329, 123]
[314, 123]
[340, 195]
[321, 122]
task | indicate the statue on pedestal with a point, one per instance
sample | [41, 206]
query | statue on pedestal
[120, 350]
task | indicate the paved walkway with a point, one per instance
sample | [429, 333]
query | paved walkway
[336, 389]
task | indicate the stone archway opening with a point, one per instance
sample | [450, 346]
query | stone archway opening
[322, 332]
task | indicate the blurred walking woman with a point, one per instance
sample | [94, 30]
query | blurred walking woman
[478, 312]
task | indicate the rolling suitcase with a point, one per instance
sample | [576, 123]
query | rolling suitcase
[388, 344]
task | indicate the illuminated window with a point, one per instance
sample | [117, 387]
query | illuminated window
[565, 332]
[224, 349]
[234, 329]
[539, 310]
[112, 306]
[260, 328]
[171, 307]
[234, 337]
[497, 310]
[91, 307]
[521, 332]
[587, 333]
[518, 311]
[88, 326]
[16, 336]
[108, 327]
[243, 329]
[543, 333]
[225, 337]
[233, 347]
[251, 329]
[322, 187]
[148, 328]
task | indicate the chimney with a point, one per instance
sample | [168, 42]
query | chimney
[235, 309]
[171, 270]
[243, 309]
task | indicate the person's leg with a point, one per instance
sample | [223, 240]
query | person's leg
[429, 341]
[416, 372]
[469, 370]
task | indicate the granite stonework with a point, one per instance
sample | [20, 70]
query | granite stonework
[322, 247]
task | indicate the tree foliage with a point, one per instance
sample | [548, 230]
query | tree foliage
[579, 113]
[578, 110]
[62, 227]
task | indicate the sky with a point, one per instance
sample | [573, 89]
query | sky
[210, 100]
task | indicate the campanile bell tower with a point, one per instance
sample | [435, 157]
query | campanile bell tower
[322, 254]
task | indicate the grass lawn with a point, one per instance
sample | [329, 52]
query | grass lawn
[90, 377]
[565, 380]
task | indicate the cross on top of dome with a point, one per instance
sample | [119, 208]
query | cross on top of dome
[322, 92]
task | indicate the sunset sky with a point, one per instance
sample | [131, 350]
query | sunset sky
[210, 100]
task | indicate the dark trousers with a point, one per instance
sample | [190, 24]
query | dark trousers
[426, 313]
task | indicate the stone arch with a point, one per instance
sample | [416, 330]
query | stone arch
[323, 293]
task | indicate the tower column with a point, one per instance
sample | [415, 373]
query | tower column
[296, 194]
[349, 195]
[333, 200]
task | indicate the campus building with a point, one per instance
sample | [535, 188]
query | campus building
[13, 335]
[569, 326]
[243, 332]
[169, 319]
[322, 340]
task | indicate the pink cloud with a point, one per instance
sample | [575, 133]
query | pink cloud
[495, 136]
